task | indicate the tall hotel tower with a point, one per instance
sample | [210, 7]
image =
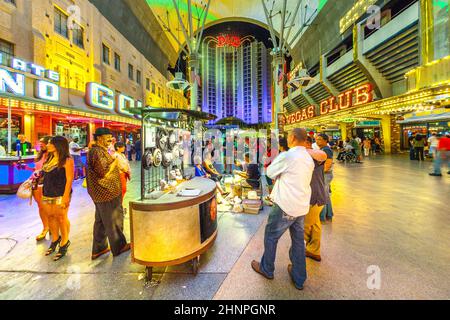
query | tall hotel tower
[236, 78]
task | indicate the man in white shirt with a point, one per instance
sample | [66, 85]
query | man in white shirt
[292, 171]
[75, 153]
[433, 142]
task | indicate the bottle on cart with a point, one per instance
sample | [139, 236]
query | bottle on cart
[18, 148]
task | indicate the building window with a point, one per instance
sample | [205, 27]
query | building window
[61, 23]
[78, 37]
[138, 76]
[153, 88]
[147, 84]
[130, 72]
[6, 50]
[159, 92]
[117, 62]
[105, 53]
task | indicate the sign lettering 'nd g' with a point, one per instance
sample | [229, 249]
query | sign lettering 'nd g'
[350, 98]
[46, 87]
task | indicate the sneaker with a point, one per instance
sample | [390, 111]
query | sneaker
[436, 174]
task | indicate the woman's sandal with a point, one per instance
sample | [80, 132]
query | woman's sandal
[42, 235]
[62, 251]
[52, 247]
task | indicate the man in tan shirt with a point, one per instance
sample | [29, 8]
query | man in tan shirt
[104, 187]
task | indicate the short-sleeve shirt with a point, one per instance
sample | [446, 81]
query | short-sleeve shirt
[329, 153]
[318, 194]
[102, 187]
[74, 145]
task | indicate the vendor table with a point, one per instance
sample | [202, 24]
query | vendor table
[173, 230]
[14, 171]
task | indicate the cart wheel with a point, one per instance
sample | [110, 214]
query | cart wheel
[148, 274]
[195, 265]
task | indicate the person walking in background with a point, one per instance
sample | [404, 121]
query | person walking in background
[442, 155]
[291, 195]
[129, 149]
[433, 142]
[38, 183]
[356, 148]
[367, 147]
[124, 167]
[319, 197]
[419, 145]
[138, 148]
[327, 212]
[57, 193]
[75, 153]
[412, 154]
[105, 189]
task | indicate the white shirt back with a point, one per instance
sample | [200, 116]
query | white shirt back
[293, 172]
[75, 145]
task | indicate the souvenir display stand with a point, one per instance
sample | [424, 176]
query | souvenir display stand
[175, 220]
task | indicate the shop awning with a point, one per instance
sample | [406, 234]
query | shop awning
[428, 118]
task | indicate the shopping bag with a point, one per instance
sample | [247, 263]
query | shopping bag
[25, 190]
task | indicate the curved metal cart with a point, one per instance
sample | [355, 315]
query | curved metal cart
[168, 229]
[173, 230]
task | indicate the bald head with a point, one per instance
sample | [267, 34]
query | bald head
[297, 137]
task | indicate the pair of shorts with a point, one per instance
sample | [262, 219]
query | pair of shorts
[78, 162]
[52, 200]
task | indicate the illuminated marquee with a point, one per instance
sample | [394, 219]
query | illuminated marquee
[228, 40]
[351, 98]
[14, 82]
[99, 96]
[301, 115]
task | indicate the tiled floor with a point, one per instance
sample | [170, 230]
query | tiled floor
[389, 215]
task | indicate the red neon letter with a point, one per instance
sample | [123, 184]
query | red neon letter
[363, 94]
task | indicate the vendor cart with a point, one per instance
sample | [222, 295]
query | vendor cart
[175, 220]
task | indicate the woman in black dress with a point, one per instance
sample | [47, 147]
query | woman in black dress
[57, 191]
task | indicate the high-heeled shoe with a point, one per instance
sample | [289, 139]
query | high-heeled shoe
[42, 235]
[62, 251]
[53, 246]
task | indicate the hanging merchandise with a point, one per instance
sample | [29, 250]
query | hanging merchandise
[162, 138]
[167, 159]
[172, 139]
[157, 157]
[148, 159]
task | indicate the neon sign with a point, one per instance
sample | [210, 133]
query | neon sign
[350, 98]
[15, 82]
[301, 115]
[228, 41]
[99, 96]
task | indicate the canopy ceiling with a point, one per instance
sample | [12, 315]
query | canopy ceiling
[228, 10]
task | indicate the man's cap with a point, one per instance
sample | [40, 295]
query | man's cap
[102, 132]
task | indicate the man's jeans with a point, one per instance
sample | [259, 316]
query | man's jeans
[438, 161]
[327, 211]
[277, 225]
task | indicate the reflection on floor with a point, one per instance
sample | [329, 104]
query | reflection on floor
[392, 224]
